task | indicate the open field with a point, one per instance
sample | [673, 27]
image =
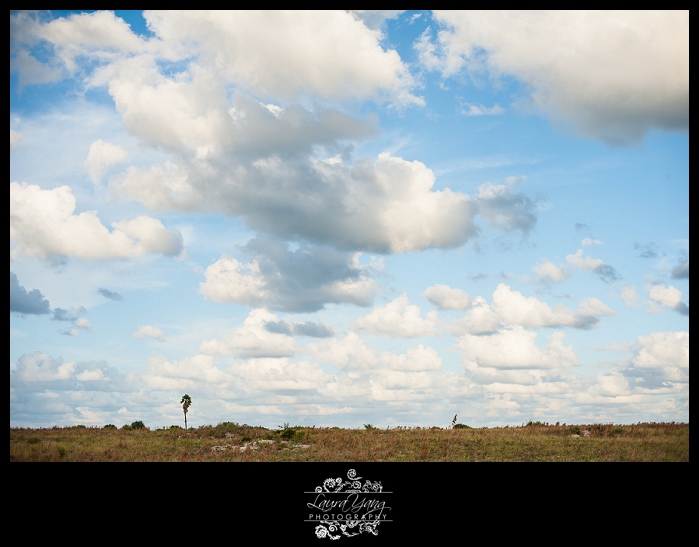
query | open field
[647, 442]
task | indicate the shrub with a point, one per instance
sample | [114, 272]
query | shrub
[369, 427]
[462, 426]
[287, 433]
[138, 425]
[109, 426]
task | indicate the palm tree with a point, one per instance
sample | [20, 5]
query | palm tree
[186, 402]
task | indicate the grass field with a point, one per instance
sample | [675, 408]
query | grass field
[643, 442]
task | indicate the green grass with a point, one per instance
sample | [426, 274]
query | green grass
[229, 441]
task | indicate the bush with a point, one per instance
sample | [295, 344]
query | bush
[138, 425]
[462, 426]
[109, 426]
[287, 433]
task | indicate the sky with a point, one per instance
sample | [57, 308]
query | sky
[348, 218]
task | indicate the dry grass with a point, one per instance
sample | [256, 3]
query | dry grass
[648, 442]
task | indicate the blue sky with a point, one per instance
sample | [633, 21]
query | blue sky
[336, 218]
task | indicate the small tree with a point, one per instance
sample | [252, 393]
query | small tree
[186, 402]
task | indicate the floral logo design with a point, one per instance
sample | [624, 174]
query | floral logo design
[334, 528]
[354, 484]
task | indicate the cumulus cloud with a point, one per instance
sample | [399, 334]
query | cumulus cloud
[516, 309]
[23, 301]
[252, 339]
[43, 224]
[385, 206]
[605, 272]
[297, 281]
[504, 208]
[278, 375]
[582, 67]
[549, 272]
[398, 318]
[669, 297]
[260, 161]
[100, 35]
[188, 373]
[511, 308]
[353, 354]
[515, 348]
[665, 352]
[339, 57]
[448, 298]
[39, 372]
[101, 156]
[148, 331]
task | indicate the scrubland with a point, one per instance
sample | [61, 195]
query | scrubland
[230, 442]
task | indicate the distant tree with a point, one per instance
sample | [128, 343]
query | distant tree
[186, 402]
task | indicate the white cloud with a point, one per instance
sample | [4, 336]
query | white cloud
[512, 308]
[279, 279]
[549, 271]
[15, 139]
[40, 367]
[41, 373]
[447, 298]
[398, 318]
[468, 109]
[505, 209]
[516, 309]
[101, 35]
[185, 374]
[591, 241]
[148, 331]
[667, 352]
[353, 354]
[669, 297]
[251, 339]
[278, 375]
[31, 71]
[83, 323]
[582, 67]
[604, 271]
[327, 53]
[42, 224]
[584, 263]
[515, 348]
[101, 156]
